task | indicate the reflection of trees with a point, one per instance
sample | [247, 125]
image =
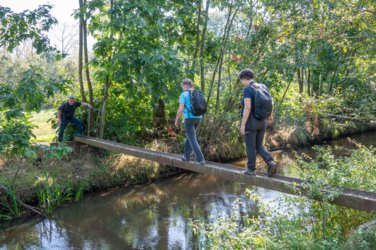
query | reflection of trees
[20, 233]
[147, 216]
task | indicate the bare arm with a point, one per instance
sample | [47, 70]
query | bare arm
[180, 112]
[86, 105]
[271, 119]
[247, 111]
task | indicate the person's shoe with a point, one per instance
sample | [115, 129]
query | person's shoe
[200, 163]
[82, 136]
[184, 159]
[272, 168]
[250, 172]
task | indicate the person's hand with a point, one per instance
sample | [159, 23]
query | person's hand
[242, 129]
[270, 119]
[90, 106]
[58, 121]
[177, 123]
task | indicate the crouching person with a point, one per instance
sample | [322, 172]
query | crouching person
[65, 115]
[256, 113]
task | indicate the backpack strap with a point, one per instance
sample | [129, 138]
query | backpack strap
[190, 95]
[254, 85]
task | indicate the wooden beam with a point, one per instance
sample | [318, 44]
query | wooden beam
[351, 198]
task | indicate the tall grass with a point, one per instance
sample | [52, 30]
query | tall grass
[14, 209]
[51, 196]
[80, 191]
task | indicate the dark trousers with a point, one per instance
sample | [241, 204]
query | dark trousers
[63, 125]
[191, 125]
[254, 137]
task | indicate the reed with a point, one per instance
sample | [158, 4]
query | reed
[51, 196]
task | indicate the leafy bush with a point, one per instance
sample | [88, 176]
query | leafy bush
[297, 222]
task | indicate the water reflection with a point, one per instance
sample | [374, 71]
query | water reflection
[151, 216]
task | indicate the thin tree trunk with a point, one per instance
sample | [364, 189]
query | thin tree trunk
[309, 82]
[332, 81]
[80, 78]
[229, 74]
[219, 83]
[300, 80]
[197, 36]
[321, 83]
[284, 94]
[90, 87]
[108, 83]
[202, 69]
[103, 116]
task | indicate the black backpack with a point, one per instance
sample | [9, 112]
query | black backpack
[263, 102]
[199, 105]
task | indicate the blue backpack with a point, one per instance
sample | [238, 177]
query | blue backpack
[263, 101]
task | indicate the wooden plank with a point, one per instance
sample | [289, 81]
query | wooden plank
[351, 198]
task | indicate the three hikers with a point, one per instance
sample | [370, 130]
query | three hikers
[191, 121]
[65, 115]
[257, 110]
[256, 102]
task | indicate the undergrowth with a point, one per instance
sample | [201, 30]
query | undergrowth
[298, 222]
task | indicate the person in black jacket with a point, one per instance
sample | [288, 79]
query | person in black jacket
[65, 115]
[253, 129]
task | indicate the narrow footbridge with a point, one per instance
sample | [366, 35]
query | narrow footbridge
[351, 198]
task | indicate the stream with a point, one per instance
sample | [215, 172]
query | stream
[149, 216]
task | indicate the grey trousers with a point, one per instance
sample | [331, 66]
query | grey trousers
[254, 137]
[191, 143]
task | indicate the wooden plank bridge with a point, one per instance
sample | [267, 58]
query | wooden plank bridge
[351, 198]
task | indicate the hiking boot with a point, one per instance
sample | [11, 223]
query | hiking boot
[250, 172]
[200, 163]
[82, 136]
[272, 168]
[183, 159]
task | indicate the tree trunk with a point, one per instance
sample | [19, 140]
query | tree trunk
[321, 83]
[202, 73]
[90, 87]
[80, 78]
[159, 115]
[332, 81]
[219, 83]
[283, 97]
[300, 80]
[309, 82]
[108, 84]
[197, 38]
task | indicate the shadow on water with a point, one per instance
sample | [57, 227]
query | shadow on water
[150, 216]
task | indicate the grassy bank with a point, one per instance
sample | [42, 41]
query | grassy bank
[92, 169]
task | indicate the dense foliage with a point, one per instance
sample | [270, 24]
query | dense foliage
[18, 100]
[315, 56]
[296, 222]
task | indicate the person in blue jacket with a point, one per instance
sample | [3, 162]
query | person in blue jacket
[253, 129]
[191, 123]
